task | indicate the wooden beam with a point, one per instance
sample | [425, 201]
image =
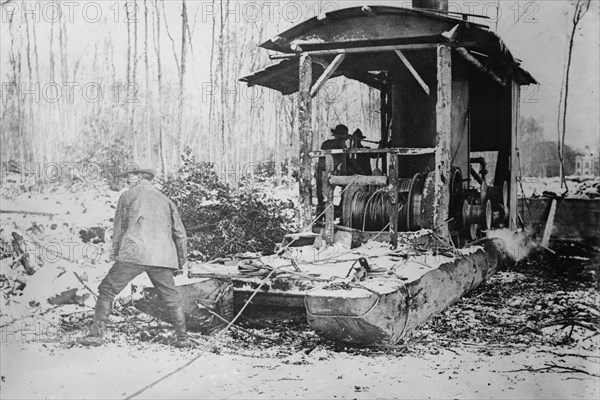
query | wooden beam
[443, 111]
[373, 49]
[412, 70]
[393, 193]
[475, 62]
[305, 139]
[400, 151]
[329, 206]
[331, 68]
[344, 180]
[514, 159]
[549, 224]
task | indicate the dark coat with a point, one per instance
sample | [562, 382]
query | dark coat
[362, 162]
[147, 229]
[333, 144]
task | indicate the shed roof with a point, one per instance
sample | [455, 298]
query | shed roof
[378, 26]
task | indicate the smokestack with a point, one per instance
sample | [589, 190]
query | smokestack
[437, 5]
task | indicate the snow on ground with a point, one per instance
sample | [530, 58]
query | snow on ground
[521, 335]
[39, 370]
[579, 187]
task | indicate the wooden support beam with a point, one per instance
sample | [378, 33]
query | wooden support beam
[443, 139]
[328, 194]
[549, 224]
[305, 139]
[412, 70]
[393, 193]
[331, 68]
[344, 180]
[514, 159]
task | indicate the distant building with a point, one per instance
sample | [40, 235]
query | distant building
[587, 163]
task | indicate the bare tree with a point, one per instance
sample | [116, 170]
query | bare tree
[161, 137]
[147, 87]
[184, 35]
[133, 84]
[581, 7]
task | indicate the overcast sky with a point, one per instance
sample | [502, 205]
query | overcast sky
[535, 32]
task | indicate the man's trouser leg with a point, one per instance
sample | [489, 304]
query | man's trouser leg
[162, 279]
[117, 278]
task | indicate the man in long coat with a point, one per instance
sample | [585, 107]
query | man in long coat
[148, 236]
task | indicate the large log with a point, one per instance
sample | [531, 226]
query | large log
[385, 310]
[198, 296]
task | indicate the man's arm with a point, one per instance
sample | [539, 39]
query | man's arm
[179, 236]
[118, 227]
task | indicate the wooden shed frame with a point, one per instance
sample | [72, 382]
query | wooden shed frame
[428, 61]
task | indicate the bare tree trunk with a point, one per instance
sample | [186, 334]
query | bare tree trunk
[184, 22]
[134, 85]
[581, 8]
[34, 144]
[147, 88]
[211, 82]
[62, 40]
[161, 138]
[128, 79]
[15, 63]
[221, 67]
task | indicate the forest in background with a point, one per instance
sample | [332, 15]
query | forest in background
[73, 93]
[144, 79]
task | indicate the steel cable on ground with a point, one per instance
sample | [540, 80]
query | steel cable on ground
[230, 324]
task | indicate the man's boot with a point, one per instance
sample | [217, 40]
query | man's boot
[95, 336]
[178, 319]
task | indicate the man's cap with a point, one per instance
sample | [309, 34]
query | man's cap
[138, 170]
[340, 130]
[358, 134]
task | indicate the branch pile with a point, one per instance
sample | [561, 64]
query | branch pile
[221, 220]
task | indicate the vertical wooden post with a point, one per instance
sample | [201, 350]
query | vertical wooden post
[393, 192]
[305, 139]
[328, 194]
[443, 111]
[514, 160]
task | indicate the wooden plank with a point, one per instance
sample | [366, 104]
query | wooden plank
[412, 70]
[443, 139]
[549, 224]
[344, 180]
[514, 160]
[327, 74]
[305, 139]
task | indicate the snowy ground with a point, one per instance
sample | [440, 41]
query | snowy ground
[530, 332]
[37, 370]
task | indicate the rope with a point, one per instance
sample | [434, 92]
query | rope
[230, 324]
[210, 344]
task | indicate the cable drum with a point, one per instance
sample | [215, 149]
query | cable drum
[370, 211]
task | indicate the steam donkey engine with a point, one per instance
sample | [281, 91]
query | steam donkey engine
[415, 189]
